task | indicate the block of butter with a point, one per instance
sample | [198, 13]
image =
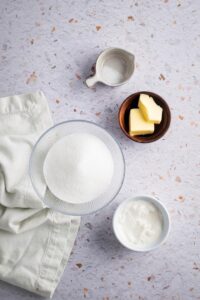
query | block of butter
[138, 125]
[150, 110]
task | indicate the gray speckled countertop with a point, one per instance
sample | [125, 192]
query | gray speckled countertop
[51, 46]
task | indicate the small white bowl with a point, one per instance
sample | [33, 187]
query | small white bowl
[165, 218]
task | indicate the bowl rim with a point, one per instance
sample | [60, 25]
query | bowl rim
[74, 121]
[165, 128]
[161, 208]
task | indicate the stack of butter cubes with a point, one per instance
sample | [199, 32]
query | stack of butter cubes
[142, 120]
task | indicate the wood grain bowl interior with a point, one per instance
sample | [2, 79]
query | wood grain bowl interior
[132, 102]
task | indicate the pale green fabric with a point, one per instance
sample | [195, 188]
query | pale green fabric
[35, 242]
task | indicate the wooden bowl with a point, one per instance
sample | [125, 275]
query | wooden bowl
[160, 129]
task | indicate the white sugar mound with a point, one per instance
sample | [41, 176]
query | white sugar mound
[78, 168]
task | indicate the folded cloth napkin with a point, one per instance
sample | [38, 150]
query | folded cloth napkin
[35, 242]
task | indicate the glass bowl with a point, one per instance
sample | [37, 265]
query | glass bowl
[40, 150]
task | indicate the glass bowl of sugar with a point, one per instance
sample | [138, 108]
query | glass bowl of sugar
[76, 167]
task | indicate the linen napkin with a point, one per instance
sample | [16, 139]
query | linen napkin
[35, 242]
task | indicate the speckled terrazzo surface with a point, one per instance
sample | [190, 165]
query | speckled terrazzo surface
[51, 46]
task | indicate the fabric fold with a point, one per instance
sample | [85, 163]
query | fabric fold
[35, 242]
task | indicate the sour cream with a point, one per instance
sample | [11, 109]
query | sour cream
[138, 224]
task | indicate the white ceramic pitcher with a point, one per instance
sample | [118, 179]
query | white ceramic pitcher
[114, 67]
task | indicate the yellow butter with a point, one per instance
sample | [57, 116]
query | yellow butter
[138, 125]
[150, 110]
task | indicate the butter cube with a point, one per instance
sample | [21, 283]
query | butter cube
[138, 125]
[150, 110]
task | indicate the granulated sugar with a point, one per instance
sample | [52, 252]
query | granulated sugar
[78, 168]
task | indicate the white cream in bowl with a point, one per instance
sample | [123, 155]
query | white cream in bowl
[141, 223]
